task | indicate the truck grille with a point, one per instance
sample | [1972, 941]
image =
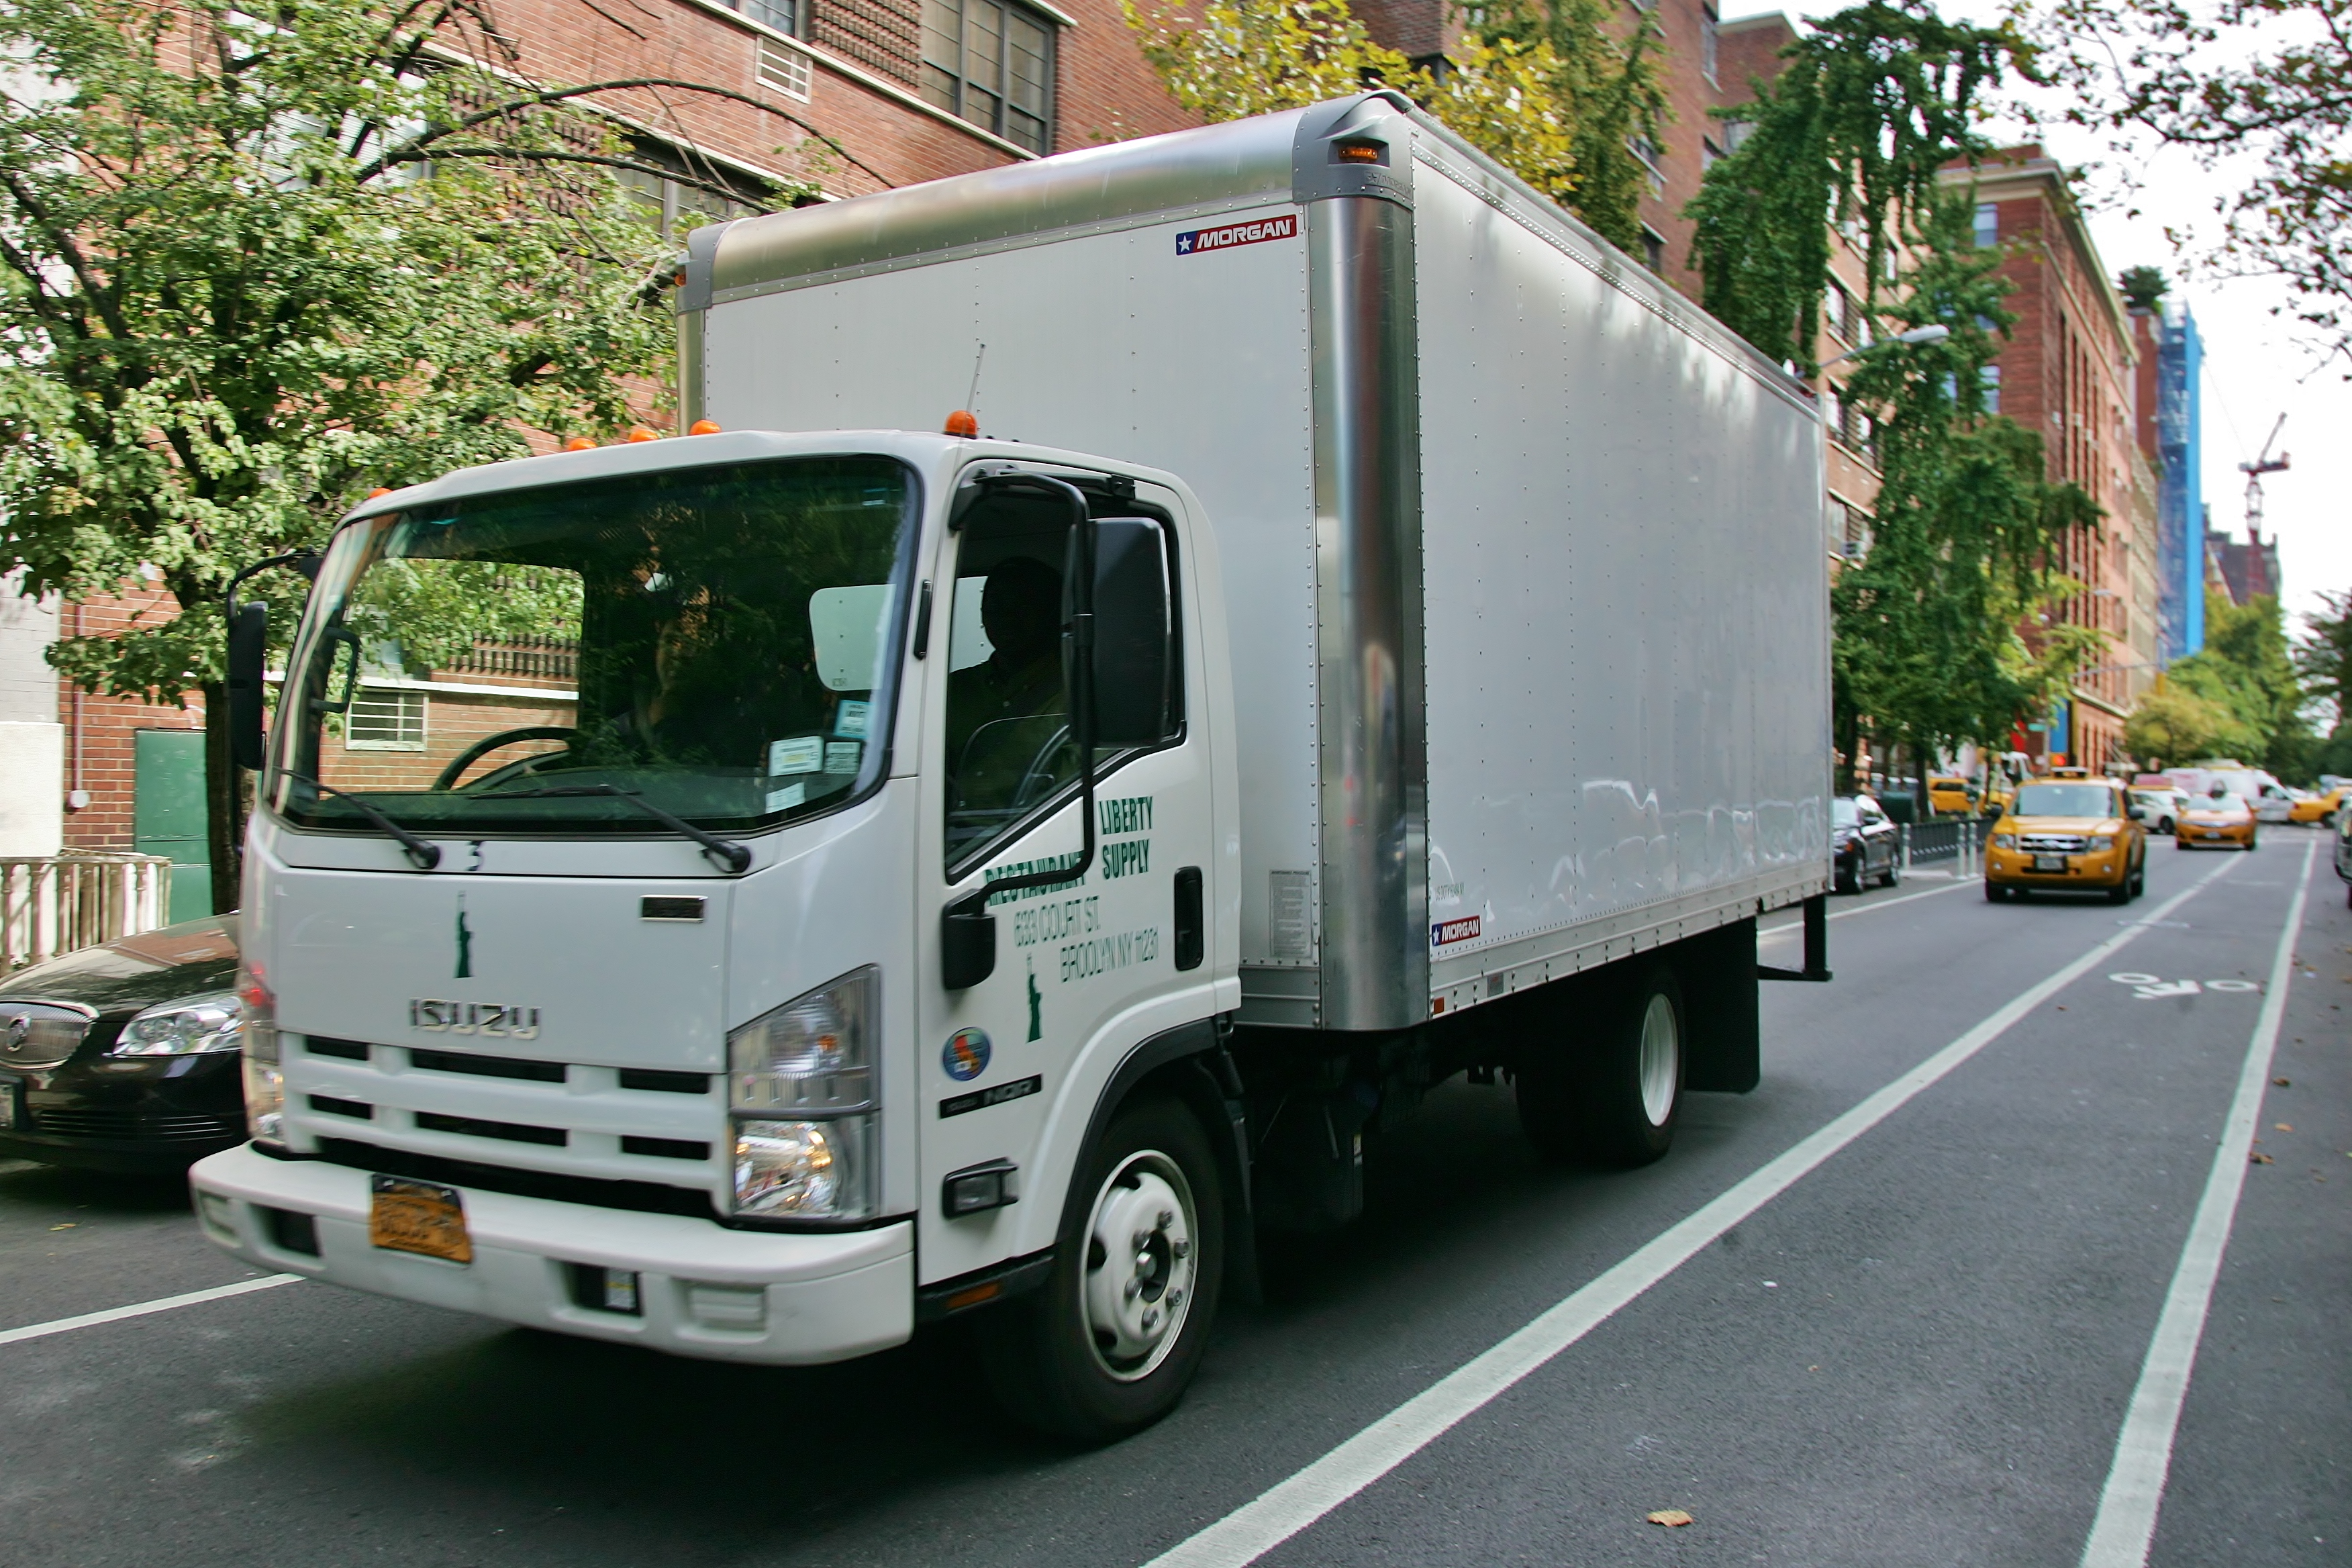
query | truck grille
[644, 1197]
[2053, 842]
[567, 1130]
[39, 1034]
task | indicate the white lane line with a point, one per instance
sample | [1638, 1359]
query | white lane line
[1865, 909]
[2125, 1525]
[1291, 1506]
[141, 1308]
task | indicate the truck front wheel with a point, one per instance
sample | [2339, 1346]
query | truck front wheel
[1108, 1345]
[1615, 1100]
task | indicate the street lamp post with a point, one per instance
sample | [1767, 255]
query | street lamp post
[1935, 334]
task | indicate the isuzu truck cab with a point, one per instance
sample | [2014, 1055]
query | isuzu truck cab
[755, 893]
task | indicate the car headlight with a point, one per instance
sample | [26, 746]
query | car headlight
[801, 1092]
[189, 1027]
[2004, 840]
[2103, 841]
[264, 1081]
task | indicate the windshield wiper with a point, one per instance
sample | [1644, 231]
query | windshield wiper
[734, 856]
[422, 854]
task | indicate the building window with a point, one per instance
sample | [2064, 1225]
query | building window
[1709, 25]
[676, 205]
[1735, 131]
[1988, 225]
[1709, 154]
[1646, 153]
[785, 68]
[1989, 379]
[1653, 250]
[783, 15]
[992, 64]
[385, 718]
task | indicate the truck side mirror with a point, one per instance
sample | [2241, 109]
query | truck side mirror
[1134, 666]
[248, 653]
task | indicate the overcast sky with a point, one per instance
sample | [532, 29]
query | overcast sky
[2258, 365]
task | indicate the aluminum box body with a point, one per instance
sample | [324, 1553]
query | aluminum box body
[1523, 555]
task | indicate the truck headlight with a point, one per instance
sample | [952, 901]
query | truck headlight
[265, 1082]
[189, 1027]
[801, 1092]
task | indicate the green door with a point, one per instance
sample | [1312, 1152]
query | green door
[167, 815]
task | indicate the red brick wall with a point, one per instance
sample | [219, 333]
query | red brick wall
[1107, 92]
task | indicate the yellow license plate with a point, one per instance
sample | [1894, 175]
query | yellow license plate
[419, 1217]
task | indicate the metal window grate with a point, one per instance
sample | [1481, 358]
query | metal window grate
[785, 68]
[385, 718]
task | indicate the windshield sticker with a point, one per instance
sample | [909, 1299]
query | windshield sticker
[800, 754]
[981, 1098]
[786, 798]
[1193, 242]
[851, 718]
[841, 756]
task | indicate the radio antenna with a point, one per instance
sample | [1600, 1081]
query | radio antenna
[972, 398]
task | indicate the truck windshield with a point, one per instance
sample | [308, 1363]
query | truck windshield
[718, 642]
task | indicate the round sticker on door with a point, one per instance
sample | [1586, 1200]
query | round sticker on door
[965, 1055]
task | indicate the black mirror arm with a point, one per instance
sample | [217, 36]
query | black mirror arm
[306, 560]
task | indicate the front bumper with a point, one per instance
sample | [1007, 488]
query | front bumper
[133, 1116]
[2189, 833]
[702, 1290]
[2014, 869]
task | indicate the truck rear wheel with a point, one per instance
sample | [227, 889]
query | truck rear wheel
[1108, 1345]
[1615, 1100]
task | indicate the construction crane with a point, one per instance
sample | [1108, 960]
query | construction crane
[2265, 464]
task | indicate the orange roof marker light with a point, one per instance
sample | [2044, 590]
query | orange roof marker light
[580, 444]
[643, 433]
[703, 428]
[963, 423]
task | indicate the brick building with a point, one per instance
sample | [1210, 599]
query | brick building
[2070, 372]
[907, 91]
[2249, 570]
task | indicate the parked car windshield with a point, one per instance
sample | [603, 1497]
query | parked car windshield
[719, 641]
[2065, 800]
[1844, 813]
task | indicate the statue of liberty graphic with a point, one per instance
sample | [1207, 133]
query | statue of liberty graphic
[464, 942]
[1037, 1004]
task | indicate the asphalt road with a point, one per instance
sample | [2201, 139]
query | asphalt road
[1917, 1340]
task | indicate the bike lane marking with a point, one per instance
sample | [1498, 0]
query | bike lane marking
[2126, 1526]
[1293, 1504]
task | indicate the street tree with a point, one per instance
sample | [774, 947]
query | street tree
[2263, 86]
[1870, 107]
[2174, 725]
[1548, 88]
[257, 262]
[2246, 669]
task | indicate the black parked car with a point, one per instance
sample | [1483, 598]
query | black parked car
[125, 1057]
[1865, 844]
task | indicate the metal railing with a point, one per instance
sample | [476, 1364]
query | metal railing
[52, 904]
[1956, 840]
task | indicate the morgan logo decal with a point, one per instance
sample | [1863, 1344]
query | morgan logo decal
[1258, 231]
[1443, 932]
[503, 1020]
[965, 1055]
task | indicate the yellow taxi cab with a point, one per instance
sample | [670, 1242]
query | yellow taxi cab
[2069, 832]
[2213, 819]
[2317, 807]
[1955, 797]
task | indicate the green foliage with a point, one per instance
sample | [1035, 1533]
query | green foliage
[2324, 657]
[2245, 670]
[1927, 645]
[2174, 725]
[2266, 84]
[251, 268]
[1545, 90]
[2142, 287]
[1868, 109]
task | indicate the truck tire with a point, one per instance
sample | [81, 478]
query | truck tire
[1612, 1098]
[1106, 1347]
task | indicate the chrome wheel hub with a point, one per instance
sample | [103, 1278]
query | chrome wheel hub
[1662, 1051]
[1137, 1286]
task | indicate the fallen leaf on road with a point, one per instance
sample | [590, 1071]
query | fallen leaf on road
[2280, 1082]
[1673, 1517]
[68, 1225]
[2283, 1127]
[2262, 1159]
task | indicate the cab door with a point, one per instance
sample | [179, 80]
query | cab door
[1084, 969]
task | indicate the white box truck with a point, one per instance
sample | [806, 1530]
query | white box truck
[1381, 635]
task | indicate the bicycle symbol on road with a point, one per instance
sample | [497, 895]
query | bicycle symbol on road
[2152, 987]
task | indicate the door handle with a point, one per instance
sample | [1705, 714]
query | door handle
[1189, 935]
